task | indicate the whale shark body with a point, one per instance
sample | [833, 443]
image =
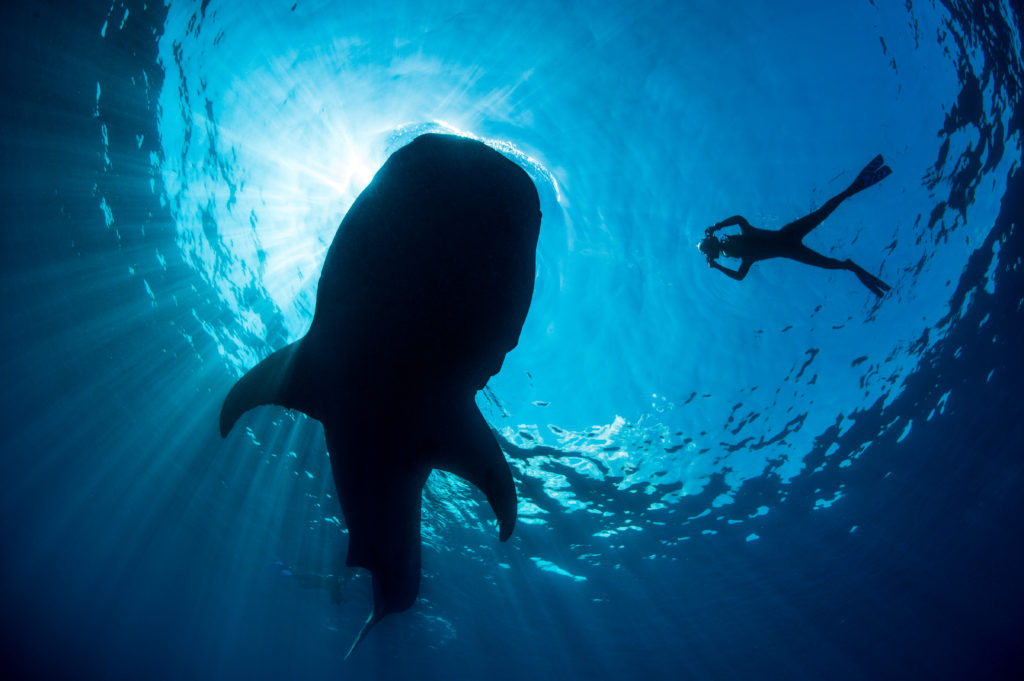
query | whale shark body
[424, 290]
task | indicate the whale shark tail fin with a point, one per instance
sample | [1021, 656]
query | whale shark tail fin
[272, 381]
[370, 621]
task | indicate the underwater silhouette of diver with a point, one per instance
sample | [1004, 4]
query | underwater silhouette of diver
[753, 244]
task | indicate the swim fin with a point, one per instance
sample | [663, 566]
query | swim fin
[873, 173]
[874, 284]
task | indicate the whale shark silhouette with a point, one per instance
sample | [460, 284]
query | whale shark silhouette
[424, 290]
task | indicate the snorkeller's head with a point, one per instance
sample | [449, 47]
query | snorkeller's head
[710, 246]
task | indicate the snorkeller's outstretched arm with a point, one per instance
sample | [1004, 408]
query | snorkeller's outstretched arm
[735, 274]
[729, 222]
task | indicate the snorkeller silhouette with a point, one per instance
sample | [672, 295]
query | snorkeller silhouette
[753, 244]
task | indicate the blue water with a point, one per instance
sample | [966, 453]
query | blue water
[779, 478]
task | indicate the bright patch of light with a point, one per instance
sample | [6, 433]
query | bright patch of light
[267, 149]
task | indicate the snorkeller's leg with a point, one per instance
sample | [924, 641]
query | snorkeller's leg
[811, 257]
[874, 284]
[872, 173]
[798, 229]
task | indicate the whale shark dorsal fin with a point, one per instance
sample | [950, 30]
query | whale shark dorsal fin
[466, 447]
[272, 381]
[370, 621]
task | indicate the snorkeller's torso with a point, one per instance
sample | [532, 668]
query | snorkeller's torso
[757, 244]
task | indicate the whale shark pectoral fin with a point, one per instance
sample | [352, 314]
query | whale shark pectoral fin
[269, 382]
[468, 449]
